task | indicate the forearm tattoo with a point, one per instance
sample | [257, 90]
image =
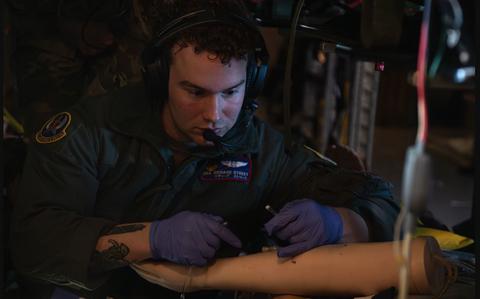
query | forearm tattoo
[125, 229]
[114, 256]
[116, 253]
[110, 258]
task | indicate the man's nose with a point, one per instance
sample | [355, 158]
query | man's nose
[213, 108]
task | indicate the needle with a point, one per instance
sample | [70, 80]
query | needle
[271, 210]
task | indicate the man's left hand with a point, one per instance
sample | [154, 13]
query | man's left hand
[305, 224]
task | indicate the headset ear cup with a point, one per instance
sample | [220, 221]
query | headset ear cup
[256, 74]
[251, 68]
[260, 75]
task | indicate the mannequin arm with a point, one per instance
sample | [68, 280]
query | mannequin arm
[348, 269]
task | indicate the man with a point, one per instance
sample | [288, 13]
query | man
[182, 171]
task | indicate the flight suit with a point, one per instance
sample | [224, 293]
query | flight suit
[108, 161]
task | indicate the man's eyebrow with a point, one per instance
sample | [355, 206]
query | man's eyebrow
[189, 84]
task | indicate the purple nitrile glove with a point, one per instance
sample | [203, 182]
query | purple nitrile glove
[189, 238]
[305, 224]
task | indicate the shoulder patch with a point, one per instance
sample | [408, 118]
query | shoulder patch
[320, 155]
[54, 129]
[237, 169]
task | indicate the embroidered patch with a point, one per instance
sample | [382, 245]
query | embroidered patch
[54, 129]
[236, 169]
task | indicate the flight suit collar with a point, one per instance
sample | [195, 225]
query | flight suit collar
[130, 112]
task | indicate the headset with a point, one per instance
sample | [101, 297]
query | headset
[156, 63]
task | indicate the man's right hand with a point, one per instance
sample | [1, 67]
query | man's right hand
[189, 238]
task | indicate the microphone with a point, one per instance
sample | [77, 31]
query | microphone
[211, 136]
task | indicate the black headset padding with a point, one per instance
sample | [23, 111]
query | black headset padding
[155, 56]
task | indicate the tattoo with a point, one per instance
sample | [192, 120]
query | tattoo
[111, 258]
[116, 252]
[125, 229]
[114, 256]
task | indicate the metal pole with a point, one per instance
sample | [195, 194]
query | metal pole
[362, 110]
[476, 183]
[329, 101]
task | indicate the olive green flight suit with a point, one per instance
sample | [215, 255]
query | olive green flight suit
[112, 164]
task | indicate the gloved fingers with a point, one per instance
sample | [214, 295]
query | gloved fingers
[293, 250]
[290, 230]
[213, 217]
[211, 239]
[295, 203]
[204, 226]
[225, 234]
[201, 246]
[204, 254]
[190, 252]
[205, 242]
[214, 239]
[229, 237]
[208, 252]
[193, 256]
[279, 221]
[304, 236]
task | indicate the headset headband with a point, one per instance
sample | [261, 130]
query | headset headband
[258, 64]
[201, 17]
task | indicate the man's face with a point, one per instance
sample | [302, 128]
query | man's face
[203, 94]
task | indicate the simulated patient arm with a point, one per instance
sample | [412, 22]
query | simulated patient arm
[360, 269]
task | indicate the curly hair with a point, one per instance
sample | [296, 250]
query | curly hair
[223, 41]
